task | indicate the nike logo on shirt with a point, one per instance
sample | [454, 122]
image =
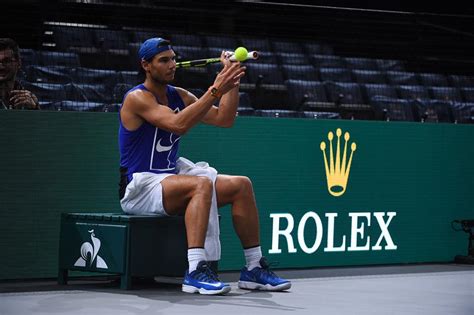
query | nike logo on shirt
[163, 148]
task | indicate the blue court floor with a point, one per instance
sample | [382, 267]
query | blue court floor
[411, 289]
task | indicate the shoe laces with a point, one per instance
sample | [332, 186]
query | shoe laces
[206, 270]
[266, 267]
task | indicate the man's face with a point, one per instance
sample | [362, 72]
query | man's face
[162, 67]
[9, 65]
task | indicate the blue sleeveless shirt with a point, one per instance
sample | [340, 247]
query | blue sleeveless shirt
[149, 148]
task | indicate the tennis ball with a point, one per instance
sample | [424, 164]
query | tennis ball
[241, 54]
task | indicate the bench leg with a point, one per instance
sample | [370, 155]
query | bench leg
[125, 282]
[62, 276]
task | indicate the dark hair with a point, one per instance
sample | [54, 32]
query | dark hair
[8, 43]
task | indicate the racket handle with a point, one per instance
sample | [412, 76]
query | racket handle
[251, 55]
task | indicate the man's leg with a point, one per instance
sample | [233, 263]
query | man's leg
[191, 196]
[238, 191]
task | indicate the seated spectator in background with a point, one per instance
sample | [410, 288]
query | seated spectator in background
[12, 93]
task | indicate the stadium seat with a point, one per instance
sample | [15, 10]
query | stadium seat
[292, 58]
[390, 65]
[111, 39]
[321, 115]
[305, 94]
[67, 38]
[268, 96]
[344, 93]
[48, 105]
[369, 76]
[410, 92]
[468, 94]
[393, 109]
[256, 43]
[54, 58]
[244, 100]
[222, 42]
[129, 77]
[327, 61]
[120, 90]
[361, 63]
[186, 40]
[107, 78]
[28, 57]
[287, 47]
[463, 112]
[185, 53]
[133, 49]
[88, 93]
[245, 105]
[260, 73]
[49, 74]
[46, 91]
[433, 79]
[373, 91]
[79, 106]
[402, 78]
[313, 48]
[445, 93]
[114, 107]
[433, 110]
[300, 72]
[335, 74]
[461, 80]
[278, 113]
[193, 77]
[140, 36]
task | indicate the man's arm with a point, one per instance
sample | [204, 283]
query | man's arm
[222, 116]
[141, 105]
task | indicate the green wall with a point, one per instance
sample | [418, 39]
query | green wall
[55, 162]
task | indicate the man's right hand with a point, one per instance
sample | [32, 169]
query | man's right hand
[229, 77]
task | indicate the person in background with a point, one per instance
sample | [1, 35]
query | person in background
[12, 93]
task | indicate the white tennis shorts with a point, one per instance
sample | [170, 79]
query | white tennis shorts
[144, 195]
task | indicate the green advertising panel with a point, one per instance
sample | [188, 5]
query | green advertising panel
[333, 193]
[329, 192]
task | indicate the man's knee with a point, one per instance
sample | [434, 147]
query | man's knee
[243, 184]
[203, 185]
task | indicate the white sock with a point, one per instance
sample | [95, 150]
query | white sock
[195, 255]
[252, 257]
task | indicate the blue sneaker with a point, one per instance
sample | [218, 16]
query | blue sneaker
[262, 279]
[204, 281]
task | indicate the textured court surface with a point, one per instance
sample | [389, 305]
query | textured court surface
[421, 289]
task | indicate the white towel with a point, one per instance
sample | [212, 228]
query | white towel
[212, 244]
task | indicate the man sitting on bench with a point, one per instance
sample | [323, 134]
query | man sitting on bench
[153, 117]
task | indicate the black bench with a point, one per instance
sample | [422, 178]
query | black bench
[128, 245]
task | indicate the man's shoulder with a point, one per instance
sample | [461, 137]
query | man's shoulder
[186, 95]
[137, 98]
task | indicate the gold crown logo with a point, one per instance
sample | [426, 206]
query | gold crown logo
[337, 171]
